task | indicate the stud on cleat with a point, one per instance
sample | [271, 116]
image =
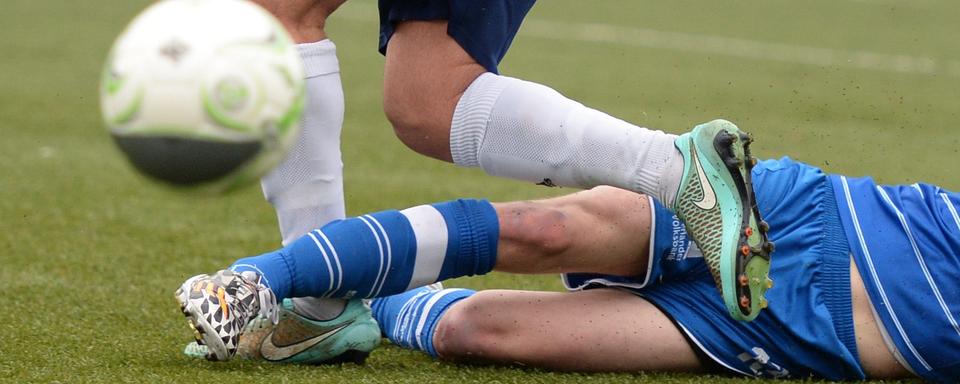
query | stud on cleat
[744, 281]
[764, 303]
[769, 283]
[744, 302]
[764, 227]
[745, 250]
[753, 162]
[748, 231]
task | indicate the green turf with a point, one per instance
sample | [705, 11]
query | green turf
[91, 252]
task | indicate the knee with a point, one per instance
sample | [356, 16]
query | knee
[415, 115]
[472, 328]
[425, 73]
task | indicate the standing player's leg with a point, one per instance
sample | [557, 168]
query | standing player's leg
[391, 252]
[445, 100]
[306, 190]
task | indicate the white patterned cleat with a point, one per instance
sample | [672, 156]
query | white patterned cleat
[219, 306]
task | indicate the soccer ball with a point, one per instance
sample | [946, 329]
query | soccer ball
[205, 94]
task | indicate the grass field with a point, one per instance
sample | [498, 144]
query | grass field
[90, 252]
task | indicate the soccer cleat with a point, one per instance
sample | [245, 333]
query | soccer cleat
[296, 339]
[716, 203]
[219, 306]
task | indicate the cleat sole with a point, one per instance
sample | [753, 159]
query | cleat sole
[753, 260]
[728, 224]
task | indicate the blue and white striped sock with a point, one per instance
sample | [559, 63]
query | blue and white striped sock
[410, 318]
[384, 253]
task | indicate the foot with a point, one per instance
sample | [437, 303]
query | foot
[348, 337]
[717, 204]
[218, 307]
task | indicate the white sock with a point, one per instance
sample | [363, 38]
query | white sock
[306, 189]
[527, 131]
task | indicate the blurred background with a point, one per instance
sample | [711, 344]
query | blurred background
[90, 252]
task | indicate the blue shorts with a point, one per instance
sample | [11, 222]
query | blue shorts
[484, 28]
[808, 328]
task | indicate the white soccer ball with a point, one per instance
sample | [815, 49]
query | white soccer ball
[203, 93]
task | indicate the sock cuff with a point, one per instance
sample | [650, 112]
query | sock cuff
[471, 116]
[479, 235]
[319, 58]
[445, 299]
[474, 230]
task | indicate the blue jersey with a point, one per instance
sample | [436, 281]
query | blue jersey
[906, 241]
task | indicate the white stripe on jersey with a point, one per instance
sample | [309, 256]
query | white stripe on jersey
[919, 190]
[326, 260]
[953, 210]
[873, 275]
[923, 264]
[430, 231]
[376, 236]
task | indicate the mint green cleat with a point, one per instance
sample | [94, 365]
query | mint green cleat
[295, 339]
[716, 203]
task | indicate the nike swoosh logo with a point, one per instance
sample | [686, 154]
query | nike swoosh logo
[709, 199]
[273, 352]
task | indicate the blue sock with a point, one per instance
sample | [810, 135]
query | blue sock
[410, 318]
[384, 253]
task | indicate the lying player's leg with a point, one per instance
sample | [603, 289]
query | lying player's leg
[445, 100]
[390, 252]
[598, 330]
[601, 330]
[827, 330]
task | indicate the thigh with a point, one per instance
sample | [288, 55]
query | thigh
[591, 331]
[434, 50]
[425, 74]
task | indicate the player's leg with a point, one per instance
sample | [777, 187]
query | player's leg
[601, 330]
[306, 190]
[445, 100]
[595, 330]
[391, 252]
